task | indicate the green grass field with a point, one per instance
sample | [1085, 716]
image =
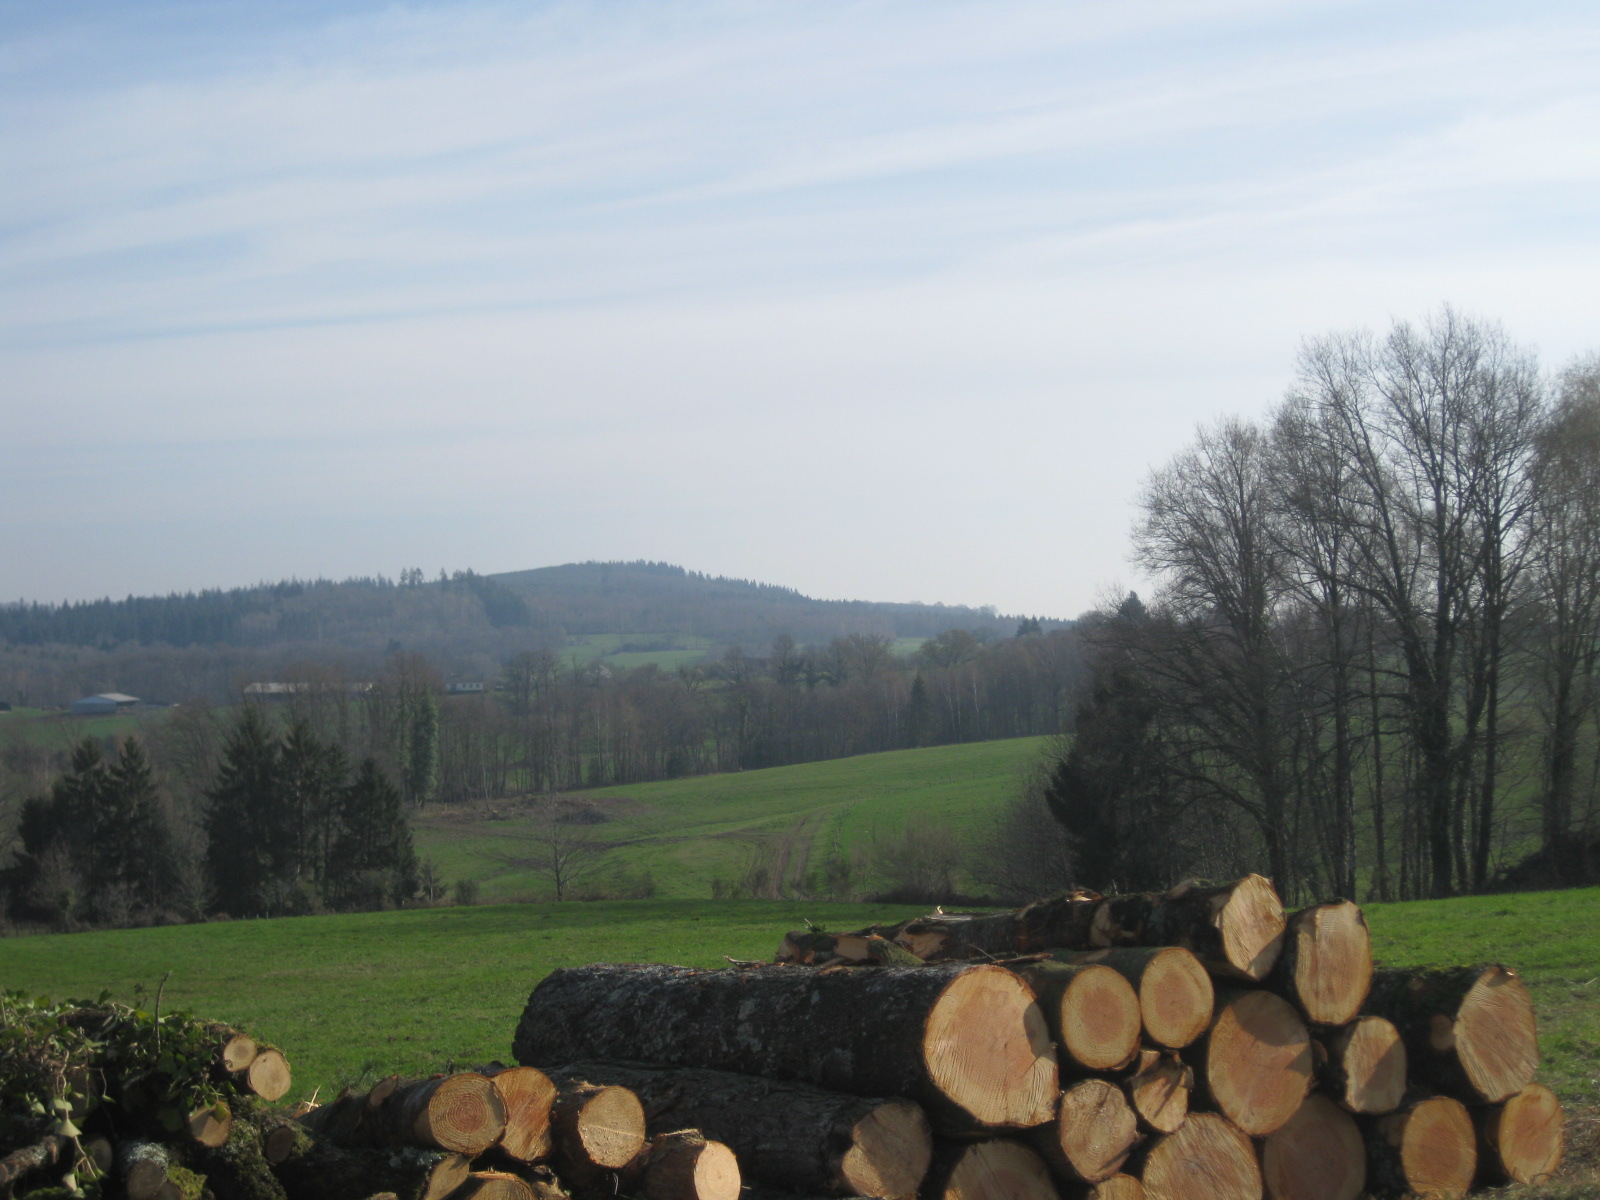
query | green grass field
[688, 832]
[351, 998]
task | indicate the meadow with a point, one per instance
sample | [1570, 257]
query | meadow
[687, 834]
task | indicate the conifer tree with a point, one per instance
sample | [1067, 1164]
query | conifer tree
[241, 821]
[373, 861]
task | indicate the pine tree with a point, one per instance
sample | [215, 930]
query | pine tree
[373, 862]
[241, 820]
[132, 834]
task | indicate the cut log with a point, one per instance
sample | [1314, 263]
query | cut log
[598, 1130]
[1427, 1146]
[284, 1141]
[991, 1170]
[1092, 1013]
[1318, 1154]
[1092, 1134]
[1209, 1158]
[237, 1052]
[268, 1075]
[526, 1094]
[1520, 1141]
[142, 1167]
[353, 1118]
[966, 1040]
[785, 1135]
[1118, 1187]
[1061, 920]
[210, 1126]
[685, 1165]
[1364, 1066]
[1234, 929]
[1257, 1060]
[1469, 1031]
[1158, 1088]
[494, 1185]
[36, 1156]
[461, 1112]
[237, 1169]
[1175, 992]
[1326, 965]
[327, 1172]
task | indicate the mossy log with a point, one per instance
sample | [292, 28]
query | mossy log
[1176, 996]
[322, 1171]
[1469, 1031]
[1092, 1012]
[46, 1151]
[1364, 1066]
[1521, 1140]
[1427, 1146]
[1207, 1158]
[1256, 1061]
[1325, 968]
[967, 1041]
[237, 1169]
[1094, 1130]
[785, 1134]
[1318, 1154]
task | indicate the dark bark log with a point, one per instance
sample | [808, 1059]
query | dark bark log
[1521, 1140]
[1318, 1154]
[1256, 1062]
[786, 1135]
[1469, 1031]
[326, 1172]
[1092, 1012]
[967, 1041]
[1235, 929]
[1326, 965]
[1176, 996]
[1209, 1158]
[1364, 1066]
[1426, 1146]
[237, 1169]
[1158, 1087]
[1092, 1134]
[36, 1156]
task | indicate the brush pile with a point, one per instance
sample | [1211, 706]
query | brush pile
[1194, 1045]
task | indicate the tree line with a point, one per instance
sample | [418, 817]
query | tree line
[1370, 667]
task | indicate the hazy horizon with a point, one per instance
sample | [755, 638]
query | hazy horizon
[872, 300]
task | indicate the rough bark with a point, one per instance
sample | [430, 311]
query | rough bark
[1000, 1167]
[1176, 997]
[1061, 920]
[1158, 1087]
[1469, 1031]
[1318, 1154]
[237, 1169]
[1364, 1066]
[965, 1040]
[36, 1156]
[1325, 968]
[1092, 1134]
[1521, 1140]
[1209, 1158]
[686, 1165]
[326, 1172]
[1426, 1146]
[786, 1135]
[1257, 1060]
[1235, 929]
[1092, 1012]
[526, 1094]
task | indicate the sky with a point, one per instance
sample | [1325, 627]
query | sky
[896, 300]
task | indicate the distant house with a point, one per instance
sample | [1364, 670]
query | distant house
[282, 691]
[105, 704]
[463, 689]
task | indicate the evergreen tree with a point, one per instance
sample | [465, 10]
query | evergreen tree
[313, 776]
[132, 833]
[241, 820]
[422, 749]
[373, 862]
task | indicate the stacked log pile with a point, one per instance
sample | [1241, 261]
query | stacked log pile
[1195, 1044]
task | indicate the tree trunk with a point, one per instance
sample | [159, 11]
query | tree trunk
[1000, 1167]
[326, 1172]
[1175, 992]
[1257, 1060]
[1427, 1146]
[1469, 1031]
[1234, 929]
[36, 1156]
[1158, 1088]
[1092, 1134]
[685, 1165]
[237, 1169]
[1092, 1013]
[967, 1041]
[786, 1135]
[1326, 964]
[526, 1094]
[1364, 1066]
[1520, 1141]
[1208, 1159]
[1318, 1154]
[598, 1130]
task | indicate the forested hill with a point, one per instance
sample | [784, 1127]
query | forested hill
[545, 604]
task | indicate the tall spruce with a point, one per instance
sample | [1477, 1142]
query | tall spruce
[242, 821]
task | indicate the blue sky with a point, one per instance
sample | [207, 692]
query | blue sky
[893, 301]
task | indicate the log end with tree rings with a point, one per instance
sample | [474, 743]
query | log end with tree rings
[1427, 1147]
[1118, 1187]
[891, 1148]
[460, 1112]
[1327, 962]
[1176, 997]
[1250, 920]
[1158, 1088]
[210, 1126]
[527, 1094]
[1366, 1067]
[598, 1127]
[1092, 1012]
[237, 1053]
[1521, 1140]
[1258, 1060]
[1092, 1134]
[986, 1049]
[685, 1165]
[268, 1075]
[493, 1185]
[1207, 1159]
[1493, 1035]
[997, 1168]
[1318, 1154]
